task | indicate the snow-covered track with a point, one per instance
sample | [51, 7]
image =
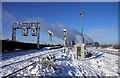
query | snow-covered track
[2, 66]
[19, 65]
[113, 52]
[17, 62]
[18, 70]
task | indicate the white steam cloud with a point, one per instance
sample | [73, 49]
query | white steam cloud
[56, 28]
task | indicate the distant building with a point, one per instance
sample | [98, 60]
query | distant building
[70, 43]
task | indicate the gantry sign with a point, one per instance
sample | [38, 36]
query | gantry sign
[33, 25]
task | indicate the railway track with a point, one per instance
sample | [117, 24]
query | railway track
[18, 70]
[29, 62]
[111, 52]
[108, 51]
[2, 66]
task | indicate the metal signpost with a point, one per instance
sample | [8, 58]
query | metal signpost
[64, 35]
[50, 35]
[33, 25]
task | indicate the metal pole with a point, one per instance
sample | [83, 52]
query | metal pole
[50, 36]
[51, 40]
[64, 33]
[64, 45]
[38, 35]
[81, 14]
[82, 29]
[82, 46]
[13, 34]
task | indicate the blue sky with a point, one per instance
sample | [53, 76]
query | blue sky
[100, 20]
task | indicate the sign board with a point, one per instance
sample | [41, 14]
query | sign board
[34, 32]
[25, 32]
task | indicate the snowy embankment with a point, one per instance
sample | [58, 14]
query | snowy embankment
[57, 63]
[104, 62]
[108, 50]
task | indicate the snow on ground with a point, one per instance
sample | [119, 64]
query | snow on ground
[8, 55]
[106, 64]
[11, 57]
[14, 67]
[111, 49]
[58, 63]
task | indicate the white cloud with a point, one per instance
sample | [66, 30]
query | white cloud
[56, 28]
[8, 16]
[99, 32]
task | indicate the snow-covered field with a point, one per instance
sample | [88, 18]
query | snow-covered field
[57, 63]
